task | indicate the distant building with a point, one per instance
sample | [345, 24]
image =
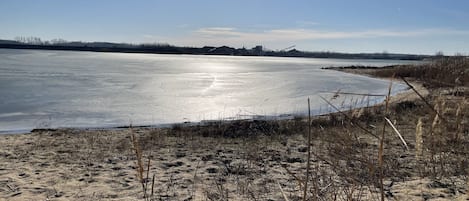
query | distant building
[223, 50]
[258, 50]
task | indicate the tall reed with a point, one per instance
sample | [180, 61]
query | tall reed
[381, 143]
[140, 166]
[308, 163]
[419, 140]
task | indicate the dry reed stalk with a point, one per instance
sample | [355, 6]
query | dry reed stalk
[356, 113]
[397, 132]
[308, 163]
[152, 186]
[349, 118]
[281, 191]
[434, 139]
[300, 182]
[419, 140]
[147, 177]
[423, 99]
[459, 117]
[361, 112]
[138, 154]
[381, 143]
[435, 121]
[443, 107]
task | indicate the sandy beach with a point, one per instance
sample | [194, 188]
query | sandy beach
[249, 160]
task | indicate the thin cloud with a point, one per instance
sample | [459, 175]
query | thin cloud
[311, 34]
[305, 23]
[234, 37]
[218, 32]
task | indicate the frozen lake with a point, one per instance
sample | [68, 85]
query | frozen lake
[49, 89]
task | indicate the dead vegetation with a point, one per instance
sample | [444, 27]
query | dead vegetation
[442, 72]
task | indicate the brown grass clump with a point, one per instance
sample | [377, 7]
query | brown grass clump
[443, 72]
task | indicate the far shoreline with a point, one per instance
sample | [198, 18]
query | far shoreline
[214, 51]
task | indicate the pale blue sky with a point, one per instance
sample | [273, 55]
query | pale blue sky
[403, 26]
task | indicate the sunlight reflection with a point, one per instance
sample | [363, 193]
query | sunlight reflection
[212, 85]
[216, 67]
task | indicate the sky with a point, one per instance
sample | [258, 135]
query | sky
[398, 26]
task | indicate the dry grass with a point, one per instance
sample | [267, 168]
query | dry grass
[443, 72]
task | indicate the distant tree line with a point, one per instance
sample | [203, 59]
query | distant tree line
[31, 40]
